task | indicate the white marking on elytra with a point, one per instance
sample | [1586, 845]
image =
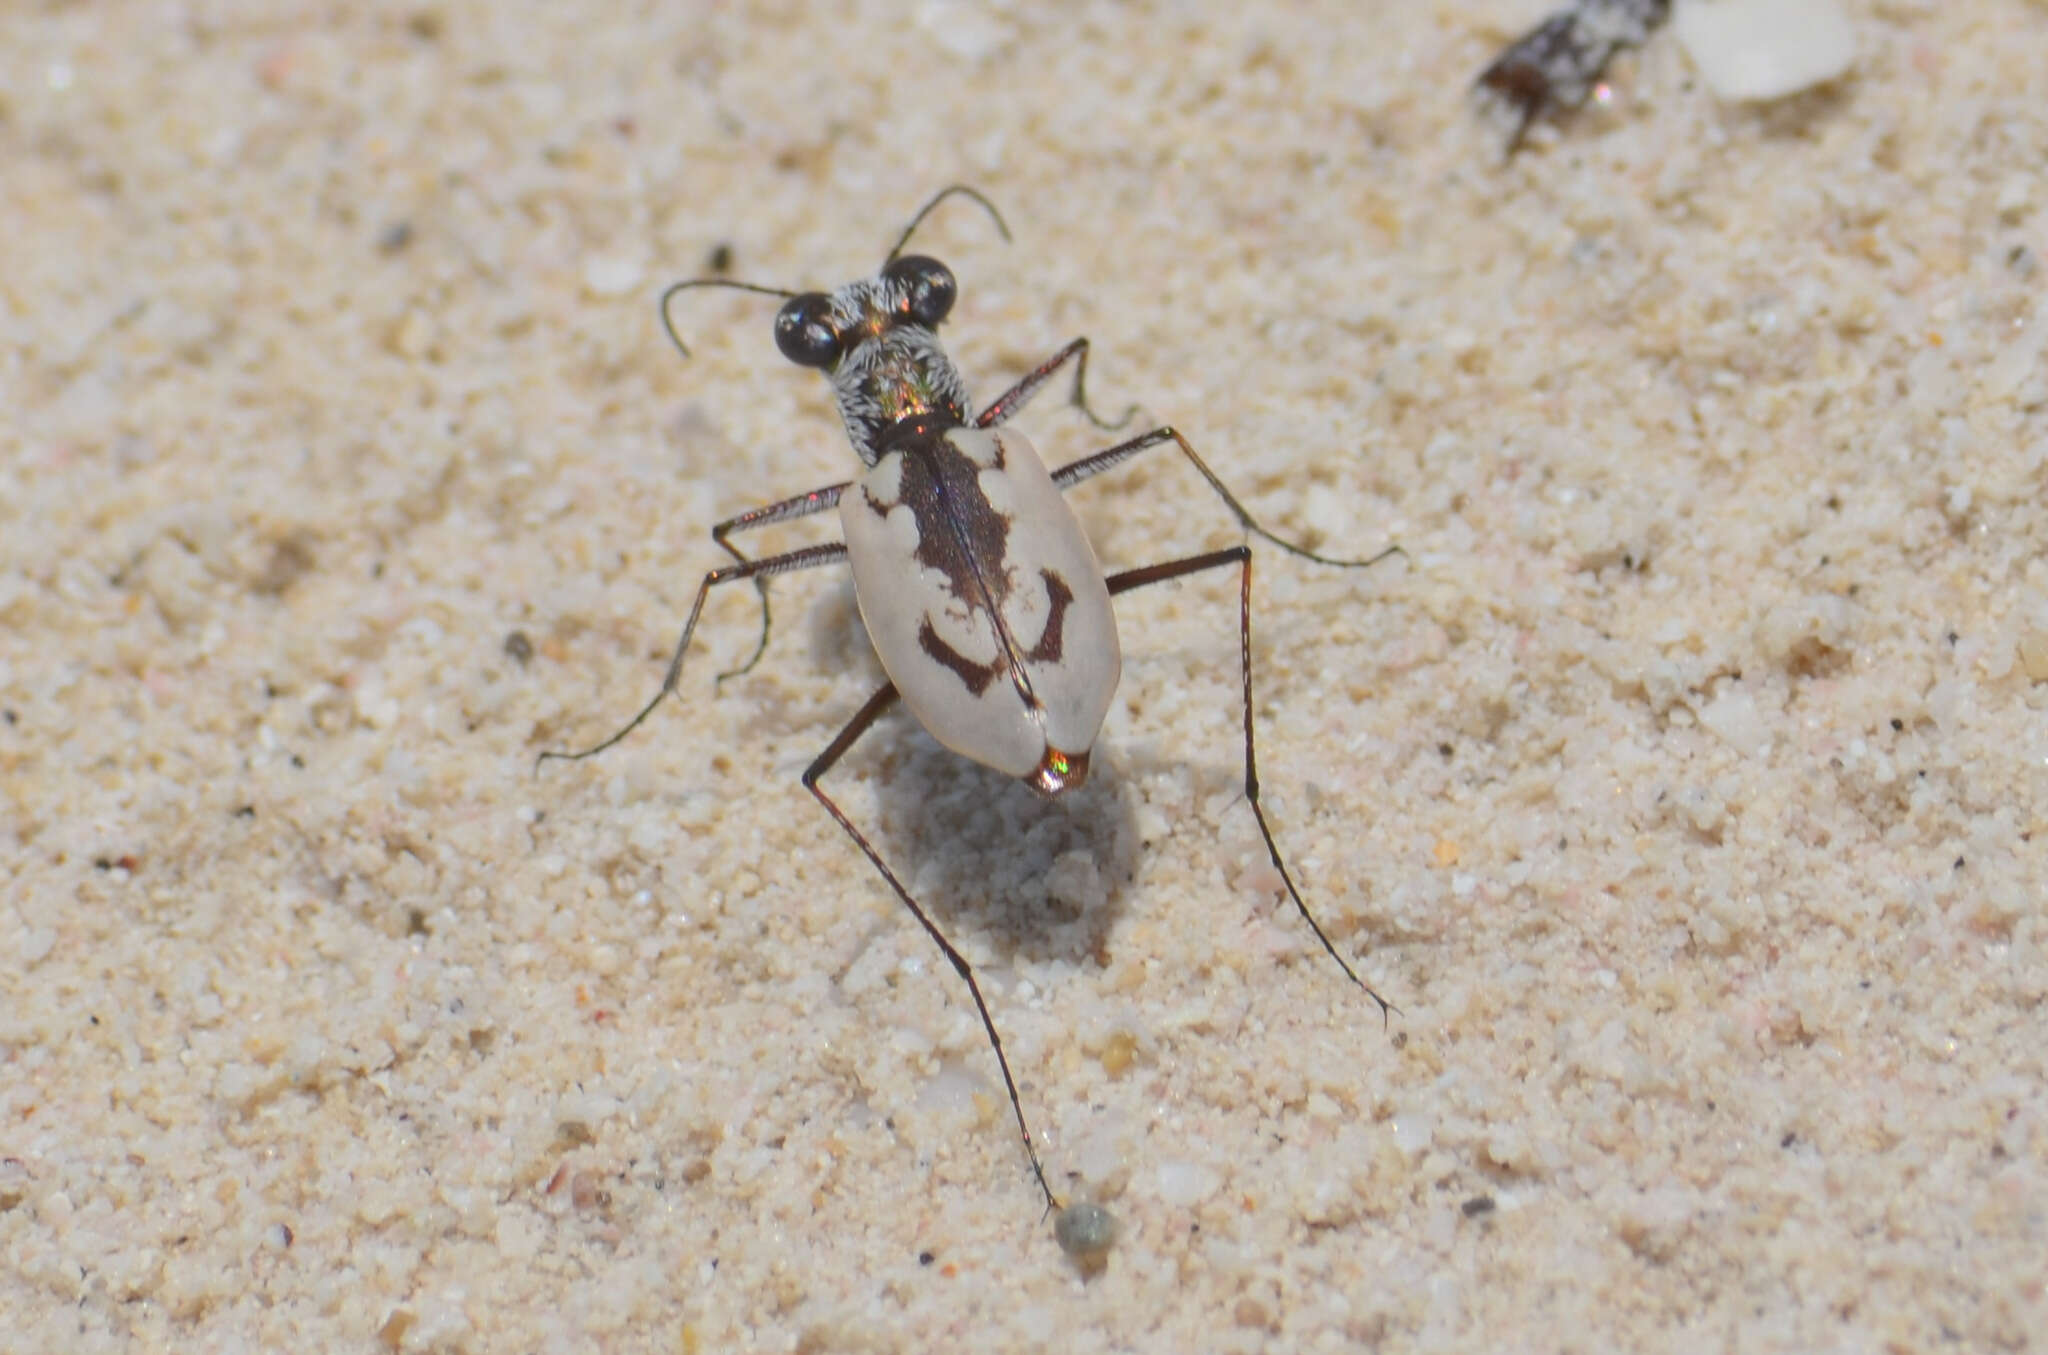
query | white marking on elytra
[979, 589]
[995, 623]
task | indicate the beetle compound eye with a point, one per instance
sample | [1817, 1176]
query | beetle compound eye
[805, 333]
[928, 287]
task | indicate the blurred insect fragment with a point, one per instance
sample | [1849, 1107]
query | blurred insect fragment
[1556, 65]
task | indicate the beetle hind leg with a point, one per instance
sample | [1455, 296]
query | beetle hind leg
[846, 738]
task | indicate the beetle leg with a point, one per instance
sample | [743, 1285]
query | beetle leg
[846, 738]
[1074, 472]
[801, 506]
[1019, 395]
[1241, 556]
[808, 558]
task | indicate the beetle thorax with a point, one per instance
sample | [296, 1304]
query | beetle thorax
[896, 371]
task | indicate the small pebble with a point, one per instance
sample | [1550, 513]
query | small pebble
[1085, 1231]
[1766, 49]
[611, 275]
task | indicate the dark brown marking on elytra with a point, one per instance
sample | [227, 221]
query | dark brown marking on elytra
[959, 532]
[966, 539]
[974, 676]
[977, 676]
[1052, 643]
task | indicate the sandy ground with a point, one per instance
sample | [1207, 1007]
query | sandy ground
[1683, 785]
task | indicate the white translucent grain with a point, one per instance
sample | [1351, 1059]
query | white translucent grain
[1733, 715]
[1185, 1184]
[1766, 49]
[37, 945]
[951, 1089]
[2015, 373]
[1414, 1131]
[611, 275]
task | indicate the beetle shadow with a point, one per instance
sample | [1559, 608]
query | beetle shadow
[997, 866]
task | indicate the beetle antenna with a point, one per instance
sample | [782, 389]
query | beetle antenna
[668, 294]
[951, 190]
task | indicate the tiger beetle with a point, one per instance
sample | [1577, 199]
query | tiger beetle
[977, 585]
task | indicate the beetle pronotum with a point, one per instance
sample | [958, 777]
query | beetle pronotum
[977, 585]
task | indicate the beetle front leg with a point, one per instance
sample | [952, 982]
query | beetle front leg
[1019, 395]
[787, 510]
[808, 558]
